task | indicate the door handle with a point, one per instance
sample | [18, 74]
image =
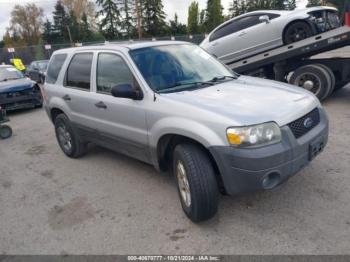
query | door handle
[242, 33]
[66, 98]
[101, 105]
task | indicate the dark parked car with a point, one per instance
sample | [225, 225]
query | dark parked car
[37, 70]
[17, 91]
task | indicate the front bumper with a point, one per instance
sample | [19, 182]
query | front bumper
[20, 100]
[253, 169]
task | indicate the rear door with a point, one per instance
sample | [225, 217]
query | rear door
[121, 122]
[77, 90]
[261, 36]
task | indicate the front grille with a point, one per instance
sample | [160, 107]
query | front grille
[304, 124]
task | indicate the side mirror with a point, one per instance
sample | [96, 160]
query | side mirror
[264, 19]
[126, 91]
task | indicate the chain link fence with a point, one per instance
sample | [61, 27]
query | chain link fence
[38, 52]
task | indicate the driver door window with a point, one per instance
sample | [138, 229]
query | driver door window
[111, 71]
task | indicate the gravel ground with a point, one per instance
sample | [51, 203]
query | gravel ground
[105, 203]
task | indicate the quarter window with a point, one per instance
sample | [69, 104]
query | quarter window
[54, 68]
[79, 71]
[111, 71]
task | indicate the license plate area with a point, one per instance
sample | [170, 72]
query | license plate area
[315, 148]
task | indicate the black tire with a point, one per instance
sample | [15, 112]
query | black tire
[318, 76]
[297, 31]
[203, 188]
[69, 141]
[5, 131]
[332, 77]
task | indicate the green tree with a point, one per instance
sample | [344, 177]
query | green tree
[202, 28]
[127, 25]
[74, 27]
[214, 16]
[26, 22]
[238, 7]
[85, 31]
[110, 22]
[48, 34]
[153, 17]
[60, 23]
[176, 28]
[192, 20]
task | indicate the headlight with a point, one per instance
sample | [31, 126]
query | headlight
[262, 134]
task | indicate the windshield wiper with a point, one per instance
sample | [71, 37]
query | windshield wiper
[220, 78]
[175, 85]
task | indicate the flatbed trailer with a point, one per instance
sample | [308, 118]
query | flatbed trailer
[300, 63]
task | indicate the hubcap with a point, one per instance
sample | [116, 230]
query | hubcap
[310, 82]
[297, 34]
[182, 181]
[64, 137]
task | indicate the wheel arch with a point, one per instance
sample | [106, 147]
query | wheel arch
[165, 148]
[304, 20]
[54, 112]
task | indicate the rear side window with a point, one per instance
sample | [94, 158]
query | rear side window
[54, 68]
[225, 30]
[79, 71]
[235, 26]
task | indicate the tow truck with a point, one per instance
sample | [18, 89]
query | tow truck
[305, 63]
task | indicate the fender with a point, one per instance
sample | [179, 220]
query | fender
[184, 127]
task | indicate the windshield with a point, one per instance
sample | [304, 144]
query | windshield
[42, 65]
[178, 67]
[10, 73]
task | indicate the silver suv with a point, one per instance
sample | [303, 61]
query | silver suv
[172, 105]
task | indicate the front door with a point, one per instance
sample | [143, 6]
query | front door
[121, 122]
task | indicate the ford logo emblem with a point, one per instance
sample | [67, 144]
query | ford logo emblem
[308, 122]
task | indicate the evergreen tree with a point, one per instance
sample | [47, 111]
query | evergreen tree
[153, 17]
[74, 27]
[60, 20]
[202, 28]
[110, 22]
[85, 31]
[214, 16]
[128, 8]
[192, 20]
[48, 35]
[176, 28]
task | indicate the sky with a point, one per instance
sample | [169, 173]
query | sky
[170, 7]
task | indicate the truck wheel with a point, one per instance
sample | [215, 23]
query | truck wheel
[313, 78]
[5, 131]
[67, 138]
[196, 182]
[331, 75]
[297, 31]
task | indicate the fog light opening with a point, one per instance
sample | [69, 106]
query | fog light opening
[271, 180]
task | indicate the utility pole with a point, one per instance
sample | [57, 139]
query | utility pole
[138, 15]
[70, 36]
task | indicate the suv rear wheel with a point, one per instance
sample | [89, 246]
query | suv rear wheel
[196, 182]
[67, 138]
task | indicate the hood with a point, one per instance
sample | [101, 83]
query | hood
[16, 85]
[250, 100]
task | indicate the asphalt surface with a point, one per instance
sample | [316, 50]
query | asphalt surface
[105, 203]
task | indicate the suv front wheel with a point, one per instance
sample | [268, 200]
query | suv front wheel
[67, 138]
[196, 182]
